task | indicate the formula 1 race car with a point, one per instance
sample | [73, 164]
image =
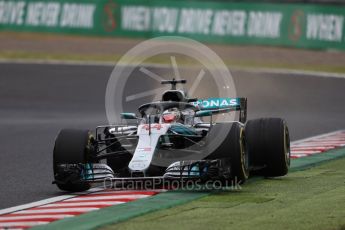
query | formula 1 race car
[171, 140]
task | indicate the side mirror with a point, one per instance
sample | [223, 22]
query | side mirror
[204, 113]
[128, 116]
[192, 100]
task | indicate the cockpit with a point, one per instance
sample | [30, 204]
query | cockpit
[168, 114]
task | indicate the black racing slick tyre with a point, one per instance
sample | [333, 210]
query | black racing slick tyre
[234, 148]
[238, 154]
[268, 145]
[71, 147]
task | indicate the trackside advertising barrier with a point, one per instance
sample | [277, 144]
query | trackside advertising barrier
[294, 25]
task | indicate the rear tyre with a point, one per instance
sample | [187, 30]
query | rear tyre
[72, 147]
[234, 148]
[268, 145]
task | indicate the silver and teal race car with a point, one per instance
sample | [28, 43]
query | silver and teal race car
[175, 139]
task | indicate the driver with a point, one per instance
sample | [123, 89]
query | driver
[176, 118]
[172, 115]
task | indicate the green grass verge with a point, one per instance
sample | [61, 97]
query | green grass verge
[238, 64]
[309, 199]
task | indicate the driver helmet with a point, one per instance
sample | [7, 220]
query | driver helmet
[171, 115]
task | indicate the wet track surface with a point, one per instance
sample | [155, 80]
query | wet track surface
[36, 101]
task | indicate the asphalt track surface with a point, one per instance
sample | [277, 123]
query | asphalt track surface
[36, 101]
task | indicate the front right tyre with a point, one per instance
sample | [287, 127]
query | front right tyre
[71, 147]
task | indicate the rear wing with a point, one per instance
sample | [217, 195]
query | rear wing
[224, 105]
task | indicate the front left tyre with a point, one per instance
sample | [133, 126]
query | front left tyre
[232, 147]
[268, 144]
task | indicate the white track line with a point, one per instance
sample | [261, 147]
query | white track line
[11, 228]
[318, 145]
[130, 191]
[291, 71]
[57, 210]
[321, 142]
[155, 65]
[304, 152]
[34, 217]
[14, 224]
[65, 204]
[299, 155]
[115, 197]
[56, 62]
